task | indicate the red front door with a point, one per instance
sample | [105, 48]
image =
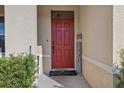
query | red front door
[62, 43]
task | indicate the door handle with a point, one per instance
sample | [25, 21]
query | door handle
[53, 49]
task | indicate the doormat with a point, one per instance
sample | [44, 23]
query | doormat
[63, 73]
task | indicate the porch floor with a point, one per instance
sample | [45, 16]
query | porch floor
[71, 81]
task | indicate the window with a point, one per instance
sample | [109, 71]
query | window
[2, 36]
[62, 15]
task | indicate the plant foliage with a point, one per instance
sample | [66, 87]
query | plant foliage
[120, 76]
[17, 71]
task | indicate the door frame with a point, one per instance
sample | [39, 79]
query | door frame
[73, 38]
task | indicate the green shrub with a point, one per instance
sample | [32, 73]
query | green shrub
[120, 76]
[17, 71]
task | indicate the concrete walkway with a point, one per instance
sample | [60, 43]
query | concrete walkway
[46, 82]
[71, 81]
[62, 82]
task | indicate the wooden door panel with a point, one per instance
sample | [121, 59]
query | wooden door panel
[62, 44]
[68, 44]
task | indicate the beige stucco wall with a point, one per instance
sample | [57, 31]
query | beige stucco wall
[118, 35]
[44, 30]
[97, 77]
[1, 10]
[96, 25]
[118, 32]
[20, 28]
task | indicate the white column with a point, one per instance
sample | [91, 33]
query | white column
[20, 28]
[39, 55]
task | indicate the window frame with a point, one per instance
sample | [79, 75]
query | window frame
[3, 34]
